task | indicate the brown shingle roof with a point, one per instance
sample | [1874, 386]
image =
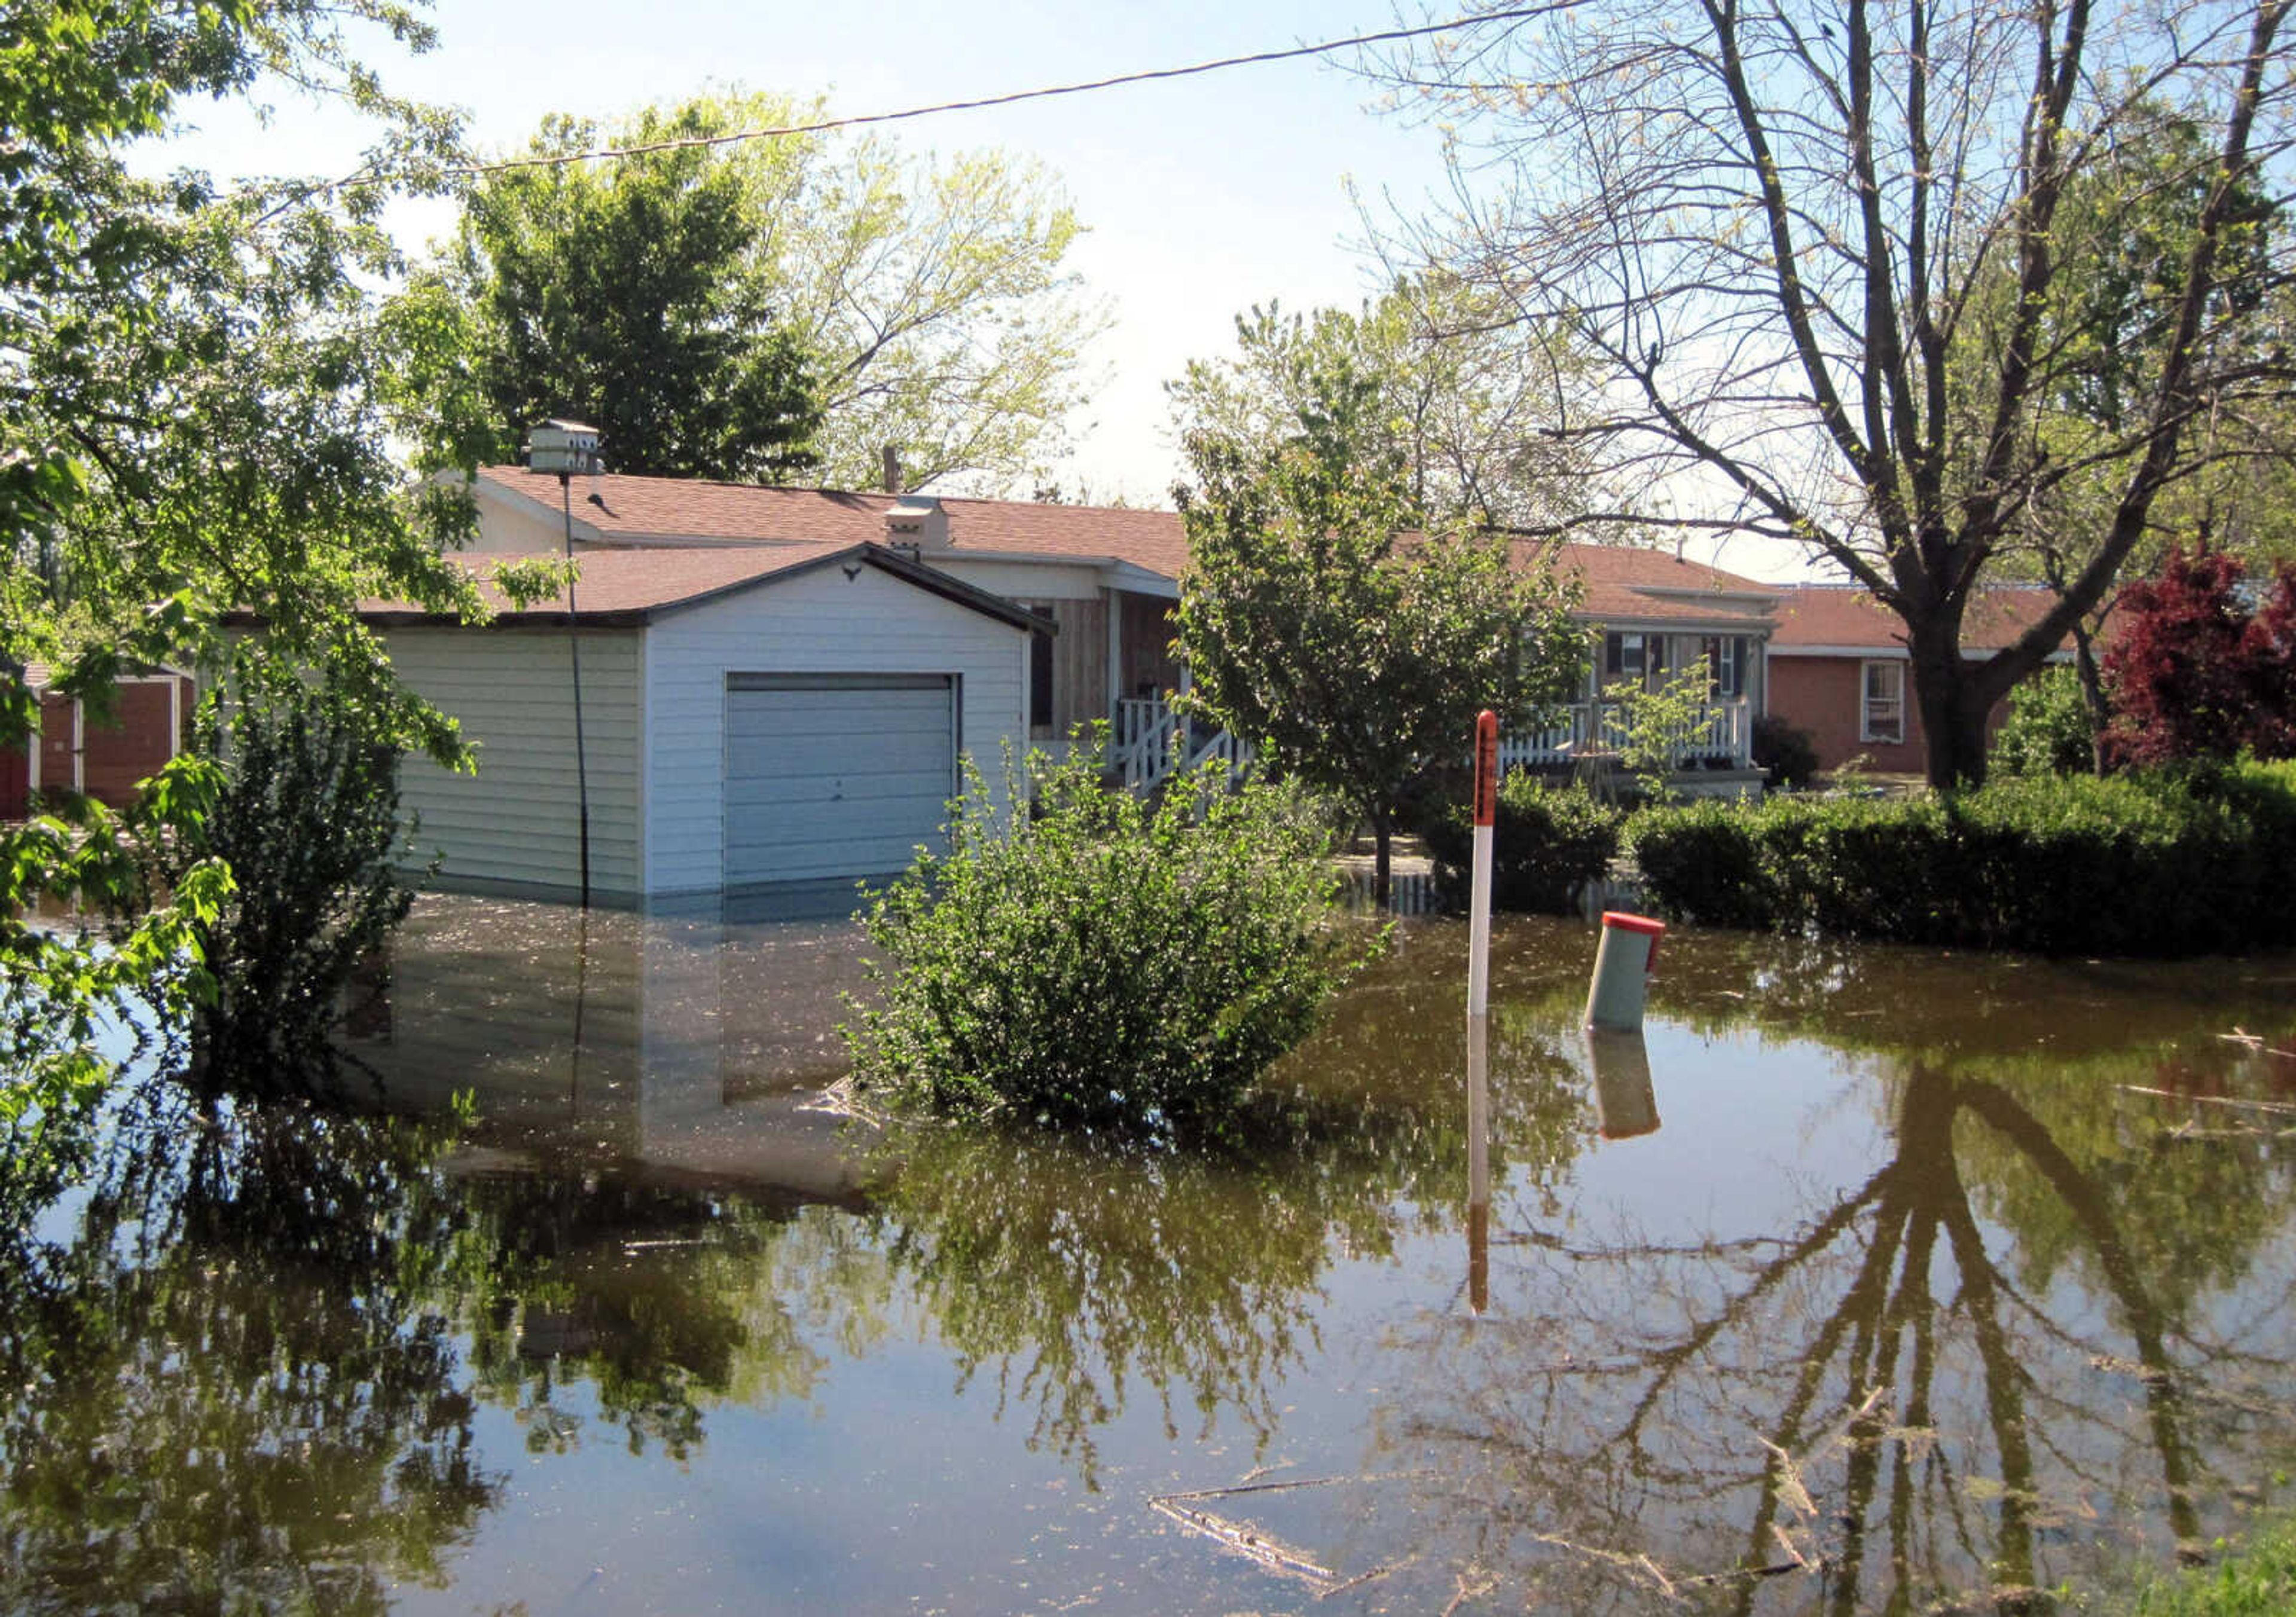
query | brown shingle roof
[1843, 617]
[1626, 584]
[635, 509]
[621, 588]
[676, 507]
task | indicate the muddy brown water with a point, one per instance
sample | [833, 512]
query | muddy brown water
[1865, 1279]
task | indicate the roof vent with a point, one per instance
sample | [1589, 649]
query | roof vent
[917, 519]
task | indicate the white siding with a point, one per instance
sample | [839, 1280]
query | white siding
[515, 820]
[1038, 581]
[820, 622]
[505, 530]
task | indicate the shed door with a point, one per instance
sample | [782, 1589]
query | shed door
[835, 775]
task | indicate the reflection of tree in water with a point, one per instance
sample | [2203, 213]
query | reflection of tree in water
[1074, 1275]
[658, 1300]
[224, 1391]
[1892, 1402]
[247, 1376]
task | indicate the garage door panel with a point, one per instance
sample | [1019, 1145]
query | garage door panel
[794, 818]
[777, 792]
[748, 720]
[783, 757]
[834, 776]
[819, 824]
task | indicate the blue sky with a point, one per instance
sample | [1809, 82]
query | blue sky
[1202, 195]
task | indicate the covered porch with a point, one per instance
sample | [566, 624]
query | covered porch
[1110, 659]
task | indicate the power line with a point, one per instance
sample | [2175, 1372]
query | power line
[822, 125]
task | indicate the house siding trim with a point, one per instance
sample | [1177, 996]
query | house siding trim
[515, 825]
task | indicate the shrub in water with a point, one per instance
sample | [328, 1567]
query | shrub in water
[1702, 861]
[308, 822]
[1097, 963]
[1546, 842]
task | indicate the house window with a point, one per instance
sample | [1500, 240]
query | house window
[1623, 655]
[1726, 663]
[1882, 715]
[1040, 676]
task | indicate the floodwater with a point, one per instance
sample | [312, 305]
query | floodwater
[1865, 1279]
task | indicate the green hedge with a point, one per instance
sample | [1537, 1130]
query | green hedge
[2151, 864]
[1546, 842]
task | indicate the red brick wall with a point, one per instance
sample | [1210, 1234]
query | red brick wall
[112, 755]
[1822, 694]
[15, 780]
[115, 756]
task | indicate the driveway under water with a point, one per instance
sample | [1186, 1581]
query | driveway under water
[1865, 1279]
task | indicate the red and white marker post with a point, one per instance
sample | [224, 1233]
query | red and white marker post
[1479, 993]
[1478, 900]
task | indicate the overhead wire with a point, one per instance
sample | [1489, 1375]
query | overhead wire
[1045, 93]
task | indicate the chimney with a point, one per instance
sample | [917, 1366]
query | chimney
[892, 470]
[919, 522]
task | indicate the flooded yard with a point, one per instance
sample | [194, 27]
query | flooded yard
[1865, 1279]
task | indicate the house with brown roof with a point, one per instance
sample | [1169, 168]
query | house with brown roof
[1657, 615]
[1104, 580]
[1838, 668]
[779, 683]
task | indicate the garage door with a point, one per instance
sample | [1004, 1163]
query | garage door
[835, 775]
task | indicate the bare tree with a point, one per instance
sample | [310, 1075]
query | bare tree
[1823, 249]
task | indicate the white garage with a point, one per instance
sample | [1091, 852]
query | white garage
[751, 716]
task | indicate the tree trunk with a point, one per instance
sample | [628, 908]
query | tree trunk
[1383, 839]
[1953, 707]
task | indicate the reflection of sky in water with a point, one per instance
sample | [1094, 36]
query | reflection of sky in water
[885, 1358]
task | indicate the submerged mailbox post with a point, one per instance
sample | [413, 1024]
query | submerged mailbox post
[1622, 964]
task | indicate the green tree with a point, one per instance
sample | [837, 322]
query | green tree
[1353, 653]
[2050, 730]
[1655, 724]
[1456, 396]
[2124, 233]
[190, 423]
[623, 293]
[926, 300]
[1774, 227]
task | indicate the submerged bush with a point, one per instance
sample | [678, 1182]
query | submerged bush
[2142, 864]
[1703, 861]
[307, 820]
[1094, 962]
[1546, 842]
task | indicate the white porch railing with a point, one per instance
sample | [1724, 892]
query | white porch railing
[1152, 743]
[1147, 742]
[1725, 738]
